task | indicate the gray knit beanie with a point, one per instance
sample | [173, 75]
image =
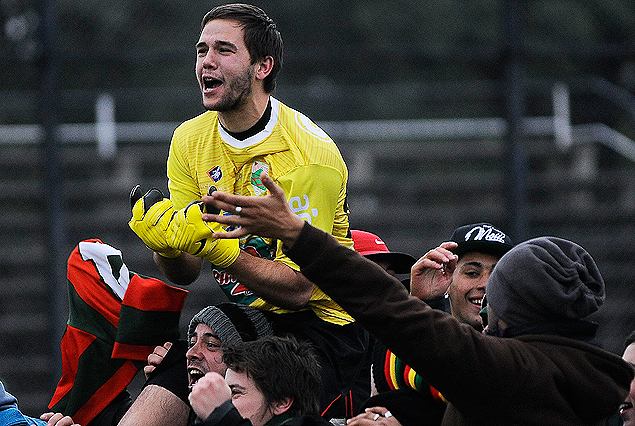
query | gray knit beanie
[234, 323]
[544, 280]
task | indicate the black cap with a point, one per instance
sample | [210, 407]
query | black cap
[481, 237]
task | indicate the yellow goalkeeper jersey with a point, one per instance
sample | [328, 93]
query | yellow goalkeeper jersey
[297, 155]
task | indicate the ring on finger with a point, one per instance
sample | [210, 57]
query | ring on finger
[375, 417]
[387, 414]
[238, 210]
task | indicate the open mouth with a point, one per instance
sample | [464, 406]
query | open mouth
[625, 406]
[210, 83]
[194, 375]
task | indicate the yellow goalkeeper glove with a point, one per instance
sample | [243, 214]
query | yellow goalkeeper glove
[152, 214]
[189, 233]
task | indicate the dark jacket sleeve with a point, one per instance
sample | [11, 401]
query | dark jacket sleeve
[225, 415]
[171, 373]
[454, 358]
[440, 303]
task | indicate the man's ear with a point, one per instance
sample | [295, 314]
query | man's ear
[282, 405]
[264, 68]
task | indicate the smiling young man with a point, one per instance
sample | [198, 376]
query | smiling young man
[459, 269]
[455, 271]
[243, 133]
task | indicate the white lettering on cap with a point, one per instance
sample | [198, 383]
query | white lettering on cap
[485, 233]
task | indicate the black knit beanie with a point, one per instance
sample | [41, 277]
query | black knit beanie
[232, 322]
[545, 280]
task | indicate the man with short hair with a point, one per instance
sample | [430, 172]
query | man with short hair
[459, 269]
[456, 270]
[270, 381]
[534, 364]
[243, 133]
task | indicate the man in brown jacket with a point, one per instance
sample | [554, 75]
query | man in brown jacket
[536, 366]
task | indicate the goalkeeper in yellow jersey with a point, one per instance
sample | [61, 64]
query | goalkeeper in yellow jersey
[243, 133]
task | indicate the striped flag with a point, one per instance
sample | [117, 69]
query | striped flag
[116, 318]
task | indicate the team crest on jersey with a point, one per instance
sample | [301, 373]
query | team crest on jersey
[256, 181]
[310, 127]
[215, 173]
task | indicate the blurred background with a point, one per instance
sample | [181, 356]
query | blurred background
[519, 113]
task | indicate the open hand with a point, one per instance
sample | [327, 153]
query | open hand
[431, 275]
[155, 358]
[267, 216]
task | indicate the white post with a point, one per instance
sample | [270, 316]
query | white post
[561, 116]
[105, 129]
